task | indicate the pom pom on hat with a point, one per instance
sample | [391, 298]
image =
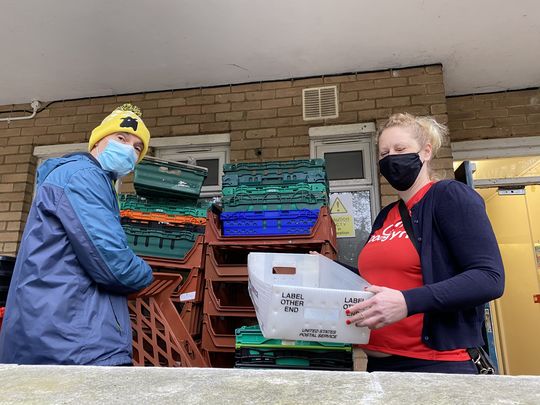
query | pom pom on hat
[126, 118]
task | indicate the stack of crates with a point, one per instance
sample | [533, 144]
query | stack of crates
[161, 227]
[165, 224]
[253, 350]
[273, 198]
[272, 207]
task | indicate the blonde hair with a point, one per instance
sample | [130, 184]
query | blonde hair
[424, 130]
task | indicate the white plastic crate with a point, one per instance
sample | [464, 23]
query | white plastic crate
[304, 297]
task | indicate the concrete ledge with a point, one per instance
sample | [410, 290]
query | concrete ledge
[81, 385]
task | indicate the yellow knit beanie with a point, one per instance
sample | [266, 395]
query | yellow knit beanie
[126, 118]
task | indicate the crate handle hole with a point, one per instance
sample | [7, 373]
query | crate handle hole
[283, 270]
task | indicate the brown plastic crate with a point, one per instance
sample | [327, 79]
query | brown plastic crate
[324, 231]
[192, 287]
[227, 299]
[160, 337]
[224, 271]
[191, 314]
[218, 332]
[229, 263]
[220, 359]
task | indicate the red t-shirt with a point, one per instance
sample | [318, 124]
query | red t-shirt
[389, 259]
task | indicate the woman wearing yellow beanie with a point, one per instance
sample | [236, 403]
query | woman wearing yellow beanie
[67, 303]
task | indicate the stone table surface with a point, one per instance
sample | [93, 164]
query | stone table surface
[131, 385]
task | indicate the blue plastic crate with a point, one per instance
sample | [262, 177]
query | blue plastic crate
[255, 223]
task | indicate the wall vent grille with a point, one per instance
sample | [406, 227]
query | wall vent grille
[319, 103]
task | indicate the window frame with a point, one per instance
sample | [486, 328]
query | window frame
[344, 138]
[51, 151]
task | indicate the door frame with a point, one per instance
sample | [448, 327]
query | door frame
[495, 149]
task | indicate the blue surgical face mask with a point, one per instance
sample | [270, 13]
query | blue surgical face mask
[118, 158]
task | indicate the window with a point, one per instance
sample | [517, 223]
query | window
[349, 153]
[345, 165]
[210, 151]
[50, 151]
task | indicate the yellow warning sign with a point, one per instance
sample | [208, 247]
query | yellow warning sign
[344, 226]
[341, 209]
[338, 207]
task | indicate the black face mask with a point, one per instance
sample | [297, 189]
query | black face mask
[401, 170]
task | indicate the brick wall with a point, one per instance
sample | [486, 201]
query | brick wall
[495, 115]
[261, 116]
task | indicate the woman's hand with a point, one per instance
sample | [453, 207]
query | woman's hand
[384, 308]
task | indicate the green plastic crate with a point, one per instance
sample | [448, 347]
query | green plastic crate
[273, 179]
[156, 177]
[281, 166]
[274, 173]
[257, 357]
[251, 336]
[163, 205]
[297, 200]
[284, 189]
[171, 244]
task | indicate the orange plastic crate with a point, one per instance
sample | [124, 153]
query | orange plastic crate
[162, 217]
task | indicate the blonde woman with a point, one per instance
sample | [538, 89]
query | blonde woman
[429, 292]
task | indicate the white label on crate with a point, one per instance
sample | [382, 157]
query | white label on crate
[188, 296]
[321, 314]
[180, 184]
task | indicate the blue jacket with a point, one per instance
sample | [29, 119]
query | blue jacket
[461, 265]
[67, 299]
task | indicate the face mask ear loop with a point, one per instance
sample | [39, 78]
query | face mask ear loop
[418, 153]
[98, 152]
